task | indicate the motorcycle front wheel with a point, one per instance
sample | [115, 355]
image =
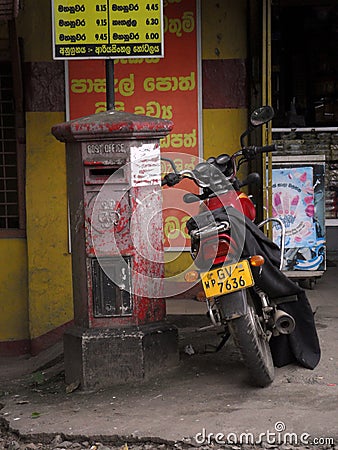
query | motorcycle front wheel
[251, 340]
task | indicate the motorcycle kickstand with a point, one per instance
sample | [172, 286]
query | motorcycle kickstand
[217, 348]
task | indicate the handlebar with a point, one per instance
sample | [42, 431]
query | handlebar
[268, 148]
[171, 179]
[247, 153]
[174, 178]
[252, 151]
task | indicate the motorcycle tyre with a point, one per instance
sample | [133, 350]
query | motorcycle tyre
[253, 347]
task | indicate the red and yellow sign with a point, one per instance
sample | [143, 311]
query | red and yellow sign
[164, 88]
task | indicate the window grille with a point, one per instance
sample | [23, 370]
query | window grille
[9, 9]
[9, 203]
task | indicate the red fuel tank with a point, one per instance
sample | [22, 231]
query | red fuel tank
[237, 199]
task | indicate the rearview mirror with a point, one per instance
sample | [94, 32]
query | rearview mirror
[261, 115]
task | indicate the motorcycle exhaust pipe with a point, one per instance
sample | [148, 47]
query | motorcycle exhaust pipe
[284, 323]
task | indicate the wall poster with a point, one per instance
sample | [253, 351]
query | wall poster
[166, 88]
[298, 200]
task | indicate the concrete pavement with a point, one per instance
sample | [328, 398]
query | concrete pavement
[206, 396]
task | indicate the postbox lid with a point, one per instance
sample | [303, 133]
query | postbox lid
[112, 124]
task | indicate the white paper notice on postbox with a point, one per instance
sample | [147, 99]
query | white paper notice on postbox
[145, 162]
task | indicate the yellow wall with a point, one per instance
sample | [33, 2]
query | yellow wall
[13, 290]
[223, 29]
[222, 129]
[35, 279]
[176, 263]
[49, 263]
[14, 315]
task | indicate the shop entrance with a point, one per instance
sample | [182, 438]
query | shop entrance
[304, 63]
[304, 85]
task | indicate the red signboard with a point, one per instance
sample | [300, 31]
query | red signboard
[166, 88]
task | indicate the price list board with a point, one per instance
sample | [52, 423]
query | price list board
[89, 29]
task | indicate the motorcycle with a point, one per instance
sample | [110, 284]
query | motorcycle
[233, 273]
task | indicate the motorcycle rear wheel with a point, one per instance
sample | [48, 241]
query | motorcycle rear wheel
[251, 341]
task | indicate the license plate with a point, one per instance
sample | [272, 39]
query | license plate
[227, 279]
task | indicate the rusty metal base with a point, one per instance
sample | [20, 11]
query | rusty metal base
[101, 357]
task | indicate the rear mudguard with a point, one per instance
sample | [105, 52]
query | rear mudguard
[233, 305]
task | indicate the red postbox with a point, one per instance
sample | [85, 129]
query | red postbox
[115, 202]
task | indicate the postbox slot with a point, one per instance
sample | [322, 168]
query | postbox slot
[111, 280]
[104, 172]
[101, 174]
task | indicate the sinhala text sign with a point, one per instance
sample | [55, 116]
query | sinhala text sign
[165, 88]
[107, 29]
